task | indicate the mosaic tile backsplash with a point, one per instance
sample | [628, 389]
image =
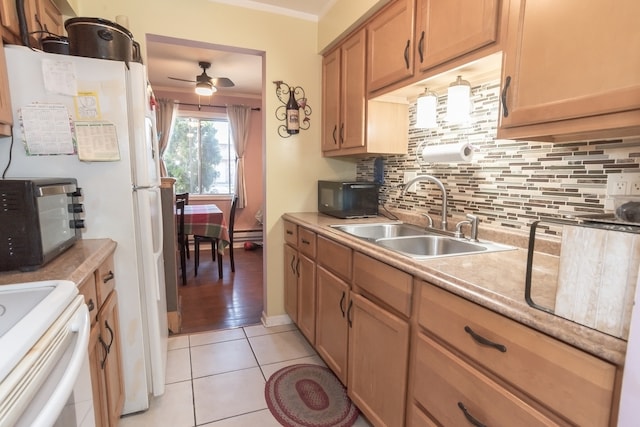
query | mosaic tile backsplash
[508, 184]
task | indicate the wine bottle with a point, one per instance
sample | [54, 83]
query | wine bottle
[293, 114]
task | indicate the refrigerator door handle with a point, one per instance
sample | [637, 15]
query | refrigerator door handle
[143, 187]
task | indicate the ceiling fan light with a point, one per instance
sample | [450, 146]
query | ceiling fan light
[205, 88]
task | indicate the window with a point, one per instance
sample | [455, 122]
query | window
[201, 156]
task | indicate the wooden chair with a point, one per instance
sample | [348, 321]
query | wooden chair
[214, 243]
[181, 238]
[185, 241]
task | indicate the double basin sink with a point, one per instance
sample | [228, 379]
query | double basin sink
[417, 242]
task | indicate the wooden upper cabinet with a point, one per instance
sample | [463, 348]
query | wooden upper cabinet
[389, 45]
[343, 73]
[571, 70]
[39, 14]
[448, 29]
[50, 17]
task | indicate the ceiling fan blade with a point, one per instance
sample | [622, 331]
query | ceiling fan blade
[222, 82]
[182, 80]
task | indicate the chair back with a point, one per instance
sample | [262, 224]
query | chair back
[183, 196]
[180, 212]
[232, 216]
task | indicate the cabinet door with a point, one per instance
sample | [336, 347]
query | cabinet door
[291, 268]
[97, 357]
[331, 101]
[307, 297]
[390, 54]
[50, 17]
[577, 70]
[352, 128]
[378, 348]
[332, 330]
[447, 29]
[110, 334]
[9, 17]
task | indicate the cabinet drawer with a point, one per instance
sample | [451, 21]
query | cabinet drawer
[335, 257]
[291, 233]
[384, 282]
[573, 383]
[105, 280]
[307, 242]
[447, 385]
[88, 290]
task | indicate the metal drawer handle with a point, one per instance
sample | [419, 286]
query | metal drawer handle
[482, 340]
[421, 47]
[298, 267]
[106, 324]
[305, 242]
[289, 232]
[406, 54]
[349, 320]
[503, 97]
[293, 267]
[91, 305]
[335, 129]
[344, 294]
[106, 352]
[108, 277]
[470, 417]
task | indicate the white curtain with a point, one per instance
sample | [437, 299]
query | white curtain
[239, 121]
[165, 118]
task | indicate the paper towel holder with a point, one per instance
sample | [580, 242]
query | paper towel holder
[459, 152]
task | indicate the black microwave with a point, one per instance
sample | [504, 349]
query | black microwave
[348, 199]
[39, 219]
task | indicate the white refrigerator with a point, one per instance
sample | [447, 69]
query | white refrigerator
[117, 166]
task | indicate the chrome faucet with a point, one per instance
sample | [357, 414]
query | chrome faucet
[440, 185]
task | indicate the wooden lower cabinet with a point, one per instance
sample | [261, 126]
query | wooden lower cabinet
[291, 268]
[307, 297]
[105, 357]
[332, 328]
[378, 362]
[112, 366]
[456, 394]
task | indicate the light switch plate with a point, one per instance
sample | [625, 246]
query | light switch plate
[408, 176]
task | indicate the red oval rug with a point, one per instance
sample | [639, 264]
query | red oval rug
[309, 396]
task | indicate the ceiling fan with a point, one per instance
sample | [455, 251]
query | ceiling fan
[206, 85]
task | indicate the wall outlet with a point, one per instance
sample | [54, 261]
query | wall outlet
[617, 185]
[408, 176]
[634, 185]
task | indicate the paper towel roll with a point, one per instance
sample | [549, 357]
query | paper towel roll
[448, 153]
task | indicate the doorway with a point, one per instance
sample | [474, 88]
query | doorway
[209, 303]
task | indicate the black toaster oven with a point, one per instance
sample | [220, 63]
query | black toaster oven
[39, 219]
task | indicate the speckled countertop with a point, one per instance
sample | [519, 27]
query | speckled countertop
[494, 280]
[75, 264]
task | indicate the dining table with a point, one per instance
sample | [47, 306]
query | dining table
[206, 220]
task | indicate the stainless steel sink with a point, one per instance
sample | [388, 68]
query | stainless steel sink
[416, 242]
[430, 246]
[377, 231]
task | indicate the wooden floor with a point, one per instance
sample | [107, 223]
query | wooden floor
[210, 304]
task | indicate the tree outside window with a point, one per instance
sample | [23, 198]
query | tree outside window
[201, 157]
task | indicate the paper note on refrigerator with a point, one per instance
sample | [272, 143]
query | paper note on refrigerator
[46, 129]
[60, 77]
[97, 142]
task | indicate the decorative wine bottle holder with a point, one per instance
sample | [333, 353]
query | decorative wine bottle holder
[284, 92]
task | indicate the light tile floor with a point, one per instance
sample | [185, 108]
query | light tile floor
[217, 379]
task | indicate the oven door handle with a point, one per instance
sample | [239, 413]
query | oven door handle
[79, 325]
